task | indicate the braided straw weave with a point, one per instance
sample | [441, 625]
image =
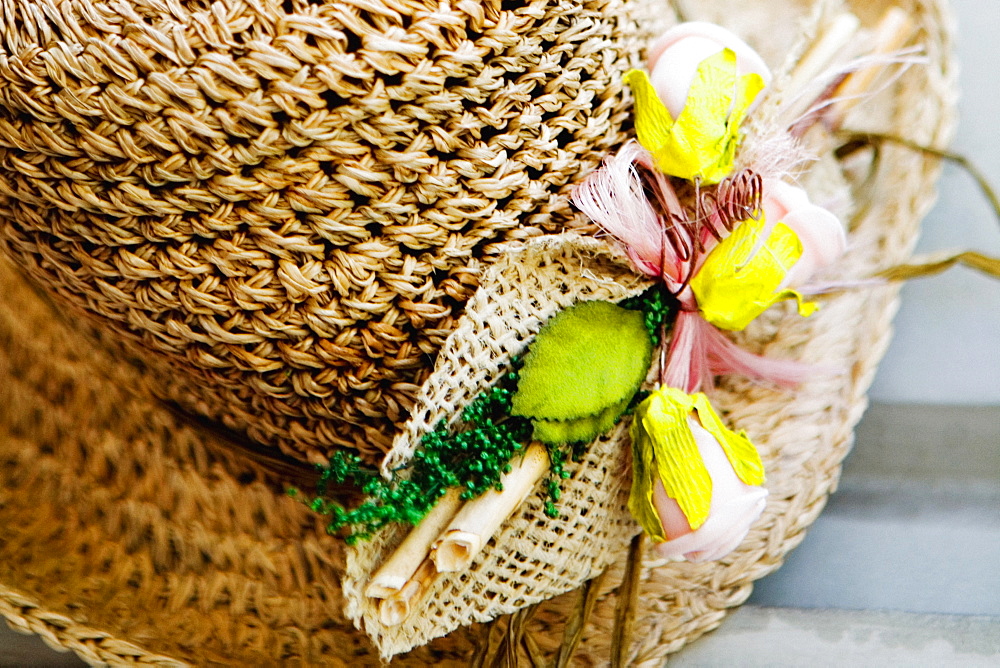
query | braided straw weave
[282, 206]
[129, 534]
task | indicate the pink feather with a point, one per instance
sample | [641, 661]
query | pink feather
[687, 366]
[699, 352]
[613, 198]
[725, 357]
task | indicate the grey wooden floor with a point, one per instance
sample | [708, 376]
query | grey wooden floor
[901, 567]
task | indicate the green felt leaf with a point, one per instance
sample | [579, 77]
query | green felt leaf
[589, 358]
[582, 429]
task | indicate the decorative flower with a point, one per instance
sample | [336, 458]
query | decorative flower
[820, 232]
[740, 277]
[674, 58]
[696, 485]
[688, 114]
[755, 266]
[617, 199]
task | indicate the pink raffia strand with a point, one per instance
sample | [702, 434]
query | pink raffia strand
[680, 252]
[687, 360]
[698, 352]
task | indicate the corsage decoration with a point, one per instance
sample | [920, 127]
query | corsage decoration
[727, 245]
[723, 245]
[714, 227]
[741, 277]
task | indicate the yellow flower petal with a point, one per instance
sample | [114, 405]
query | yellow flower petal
[640, 500]
[701, 143]
[664, 446]
[740, 277]
[677, 461]
[740, 451]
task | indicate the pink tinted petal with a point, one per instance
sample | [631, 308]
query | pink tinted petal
[675, 56]
[725, 532]
[673, 79]
[734, 508]
[781, 197]
[747, 59]
[672, 518]
[822, 235]
[823, 241]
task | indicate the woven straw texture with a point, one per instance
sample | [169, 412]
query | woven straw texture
[129, 534]
[283, 206]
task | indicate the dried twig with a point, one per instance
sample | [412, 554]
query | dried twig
[502, 639]
[982, 263]
[393, 575]
[855, 140]
[486, 648]
[481, 517]
[573, 632]
[628, 599]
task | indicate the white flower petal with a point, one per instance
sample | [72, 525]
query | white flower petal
[734, 508]
[675, 56]
[821, 233]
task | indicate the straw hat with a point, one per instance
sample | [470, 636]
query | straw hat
[237, 236]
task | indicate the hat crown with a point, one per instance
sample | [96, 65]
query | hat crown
[281, 208]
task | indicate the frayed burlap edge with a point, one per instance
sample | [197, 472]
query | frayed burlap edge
[533, 557]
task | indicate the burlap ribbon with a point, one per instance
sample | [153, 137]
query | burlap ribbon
[533, 557]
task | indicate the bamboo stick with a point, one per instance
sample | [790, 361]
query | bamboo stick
[396, 608]
[894, 30]
[393, 575]
[828, 47]
[480, 518]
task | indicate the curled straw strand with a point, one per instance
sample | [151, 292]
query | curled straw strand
[981, 263]
[855, 140]
[985, 264]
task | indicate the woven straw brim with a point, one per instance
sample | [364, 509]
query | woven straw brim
[129, 536]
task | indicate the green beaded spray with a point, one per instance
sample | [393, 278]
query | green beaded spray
[472, 455]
